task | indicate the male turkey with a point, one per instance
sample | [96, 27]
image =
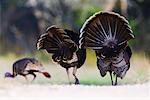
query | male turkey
[26, 66]
[63, 44]
[108, 34]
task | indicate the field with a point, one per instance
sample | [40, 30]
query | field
[135, 84]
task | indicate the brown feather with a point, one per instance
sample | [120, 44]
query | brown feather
[102, 27]
[54, 39]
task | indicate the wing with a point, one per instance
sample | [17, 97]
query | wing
[105, 28]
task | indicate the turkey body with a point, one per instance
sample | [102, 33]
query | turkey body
[119, 64]
[20, 66]
[26, 66]
[63, 45]
[108, 34]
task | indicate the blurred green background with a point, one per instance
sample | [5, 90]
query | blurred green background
[23, 21]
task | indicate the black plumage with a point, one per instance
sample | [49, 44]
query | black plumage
[63, 44]
[26, 66]
[108, 34]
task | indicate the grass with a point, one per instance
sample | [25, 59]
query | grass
[88, 73]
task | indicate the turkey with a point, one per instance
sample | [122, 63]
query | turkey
[26, 66]
[63, 45]
[108, 34]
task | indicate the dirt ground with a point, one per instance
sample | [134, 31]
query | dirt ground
[70, 92]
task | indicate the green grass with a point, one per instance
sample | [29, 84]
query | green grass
[90, 58]
[88, 74]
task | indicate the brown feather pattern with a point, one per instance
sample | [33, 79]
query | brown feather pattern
[54, 39]
[102, 27]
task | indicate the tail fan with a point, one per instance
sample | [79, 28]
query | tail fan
[46, 74]
[103, 28]
[54, 39]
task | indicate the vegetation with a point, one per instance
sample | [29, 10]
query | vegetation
[22, 21]
[88, 74]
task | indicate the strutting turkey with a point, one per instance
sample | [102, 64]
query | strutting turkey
[108, 34]
[26, 66]
[63, 45]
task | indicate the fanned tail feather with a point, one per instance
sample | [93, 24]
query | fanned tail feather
[54, 39]
[104, 27]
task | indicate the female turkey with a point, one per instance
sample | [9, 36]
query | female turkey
[63, 44]
[26, 66]
[108, 34]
